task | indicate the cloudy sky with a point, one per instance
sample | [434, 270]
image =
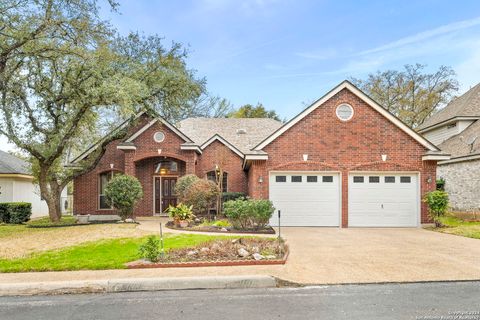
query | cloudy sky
[285, 53]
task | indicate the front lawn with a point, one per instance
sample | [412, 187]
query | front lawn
[454, 225]
[102, 254]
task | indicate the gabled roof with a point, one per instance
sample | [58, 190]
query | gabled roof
[466, 143]
[164, 122]
[219, 138]
[242, 133]
[349, 86]
[10, 164]
[465, 106]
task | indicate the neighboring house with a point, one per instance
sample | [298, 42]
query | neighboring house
[16, 184]
[343, 161]
[456, 130]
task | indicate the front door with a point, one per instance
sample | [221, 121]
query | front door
[165, 193]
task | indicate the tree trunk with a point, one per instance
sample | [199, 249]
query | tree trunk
[54, 206]
[51, 192]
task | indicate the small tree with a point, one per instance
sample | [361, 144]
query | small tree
[437, 202]
[183, 185]
[123, 192]
[201, 195]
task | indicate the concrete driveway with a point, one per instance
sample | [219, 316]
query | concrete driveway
[355, 255]
[332, 255]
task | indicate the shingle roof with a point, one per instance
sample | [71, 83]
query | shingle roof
[243, 133]
[467, 105]
[13, 165]
[465, 143]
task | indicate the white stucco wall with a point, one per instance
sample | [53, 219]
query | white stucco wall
[462, 182]
[25, 191]
[16, 189]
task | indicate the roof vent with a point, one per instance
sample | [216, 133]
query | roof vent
[241, 131]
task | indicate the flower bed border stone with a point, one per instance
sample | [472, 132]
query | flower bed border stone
[171, 225]
[220, 263]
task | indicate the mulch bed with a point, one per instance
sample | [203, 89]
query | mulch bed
[199, 228]
[223, 252]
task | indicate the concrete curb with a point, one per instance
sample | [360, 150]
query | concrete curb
[136, 284]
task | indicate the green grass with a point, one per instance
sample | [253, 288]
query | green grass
[7, 230]
[46, 223]
[454, 225]
[104, 254]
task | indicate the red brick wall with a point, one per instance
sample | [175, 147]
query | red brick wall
[139, 163]
[333, 145]
[218, 153]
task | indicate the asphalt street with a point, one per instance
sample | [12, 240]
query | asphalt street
[449, 300]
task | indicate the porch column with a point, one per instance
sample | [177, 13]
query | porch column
[129, 163]
[190, 163]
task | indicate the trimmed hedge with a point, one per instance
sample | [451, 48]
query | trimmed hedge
[15, 212]
[249, 214]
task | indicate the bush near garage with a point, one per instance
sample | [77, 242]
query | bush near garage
[437, 202]
[15, 212]
[249, 214]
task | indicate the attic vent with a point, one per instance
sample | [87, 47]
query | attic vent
[241, 131]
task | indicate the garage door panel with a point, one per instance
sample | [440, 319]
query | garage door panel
[383, 204]
[306, 203]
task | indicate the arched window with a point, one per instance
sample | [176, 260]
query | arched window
[104, 179]
[212, 176]
[166, 167]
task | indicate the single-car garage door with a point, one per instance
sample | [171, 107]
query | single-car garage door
[383, 200]
[305, 199]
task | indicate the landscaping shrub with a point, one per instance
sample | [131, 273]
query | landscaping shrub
[437, 202]
[123, 193]
[227, 196]
[150, 250]
[201, 195]
[15, 212]
[249, 214]
[183, 184]
[181, 212]
[441, 184]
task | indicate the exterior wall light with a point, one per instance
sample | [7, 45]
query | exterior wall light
[305, 157]
[384, 157]
[429, 179]
[260, 179]
[111, 165]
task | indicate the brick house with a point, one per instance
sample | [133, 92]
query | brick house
[343, 161]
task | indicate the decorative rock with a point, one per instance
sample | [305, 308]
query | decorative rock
[235, 241]
[224, 229]
[215, 246]
[257, 256]
[204, 249]
[192, 253]
[271, 256]
[129, 220]
[255, 249]
[243, 253]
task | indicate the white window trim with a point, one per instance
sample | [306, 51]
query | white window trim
[351, 108]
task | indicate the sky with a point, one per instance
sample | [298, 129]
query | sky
[286, 54]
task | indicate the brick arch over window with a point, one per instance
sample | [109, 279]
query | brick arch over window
[382, 166]
[212, 176]
[306, 166]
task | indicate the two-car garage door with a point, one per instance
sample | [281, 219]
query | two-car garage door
[374, 199]
[306, 199]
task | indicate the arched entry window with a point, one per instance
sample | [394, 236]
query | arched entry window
[166, 167]
[211, 175]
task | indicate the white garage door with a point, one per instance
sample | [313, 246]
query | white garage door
[305, 199]
[383, 200]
